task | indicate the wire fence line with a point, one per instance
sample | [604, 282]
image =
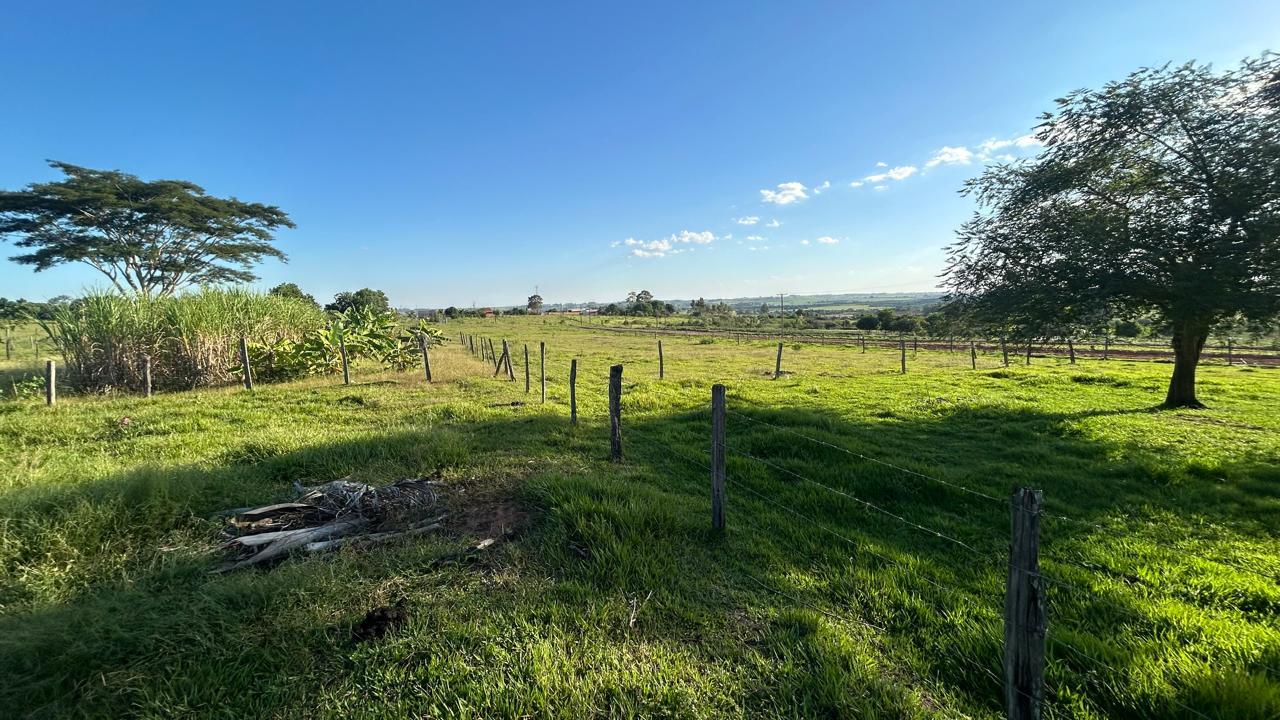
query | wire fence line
[673, 452]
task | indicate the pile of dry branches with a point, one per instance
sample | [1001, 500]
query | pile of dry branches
[330, 516]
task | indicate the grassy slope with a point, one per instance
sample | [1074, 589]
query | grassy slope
[106, 608]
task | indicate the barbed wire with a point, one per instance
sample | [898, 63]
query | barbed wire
[1054, 516]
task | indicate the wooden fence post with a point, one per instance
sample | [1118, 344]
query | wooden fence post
[1024, 611]
[915, 344]
[717, 457]
[661, 367]
[863, 338]
[50, 383]
[902, 350]
[1071, 350]
[342, 350]
[146, 376]
[1004, 351]
[615, 413]
[506, 354]
[1231, 360]
[542, 368]
[1106, 348]
[777, 367]
[426, 355]
[973, 355]
[526, 368]
[573, 391]
[1028, 352]
[244, 364]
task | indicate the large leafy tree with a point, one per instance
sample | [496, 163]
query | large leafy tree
[1158, 194]
[153, 238]
[363, 299]
[291, 290]
[535, 303]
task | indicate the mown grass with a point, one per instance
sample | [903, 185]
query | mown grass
[616, 599]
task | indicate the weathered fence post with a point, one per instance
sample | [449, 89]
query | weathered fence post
[1004, 351]
[1106, 348]
[1028, 352]
[426, 355]
[717, 457]
[902, 350]
[146, 376]
[863, 338]
[50, 383]
[615, 413]
[1071, 351]
[573, 391]
[777, 367]
[661, 366]
[915, 344]
[1231, 359]
[342, 350]
[973, 355]
[244, 364]
[526, 368]
[542, 368]
[1024, 611]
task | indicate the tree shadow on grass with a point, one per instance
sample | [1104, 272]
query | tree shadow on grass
[812, 603]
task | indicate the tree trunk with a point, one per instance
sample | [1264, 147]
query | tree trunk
[1188, 340]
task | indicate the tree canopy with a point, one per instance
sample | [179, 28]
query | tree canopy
[1157, 194]
[362, 298]
[152, 238]
[291, 290]
[534, 304]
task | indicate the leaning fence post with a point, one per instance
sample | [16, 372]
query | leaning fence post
[50, 383]
[1028, 352]
[717, 457]
[146, 376]
[661, 368]
[573, 391]
[973, 355]
[615, 413]
[1024, 611]
[244, 363]
[902, 350]
[777, 367]
[342, 350]
[426, 356]
[1071, 351]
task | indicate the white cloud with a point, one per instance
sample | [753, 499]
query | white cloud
[882, 164]
[804, 242]
[825, 184]
[670, 245]
[773, 224]
[827, 240]
[902, 172]
[947, 155]
[856, 183]
[755, 238]
[878, 188]
[748, 220]
[787, 193]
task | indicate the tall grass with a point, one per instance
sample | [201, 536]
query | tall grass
[191, 338]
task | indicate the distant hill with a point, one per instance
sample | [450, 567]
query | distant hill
[851, 302]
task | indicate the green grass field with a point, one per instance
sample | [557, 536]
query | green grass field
[610, 596]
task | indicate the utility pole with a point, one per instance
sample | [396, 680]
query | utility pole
[782, 306]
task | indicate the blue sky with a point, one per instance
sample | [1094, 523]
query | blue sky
[459, 153]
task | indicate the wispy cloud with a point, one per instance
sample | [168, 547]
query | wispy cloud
[787, 193]
[902, 172]
[755, 238]
[947, 155]
[748, 220]
[680, 242]
[825, 184]
[827, 240]
[773, 224]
